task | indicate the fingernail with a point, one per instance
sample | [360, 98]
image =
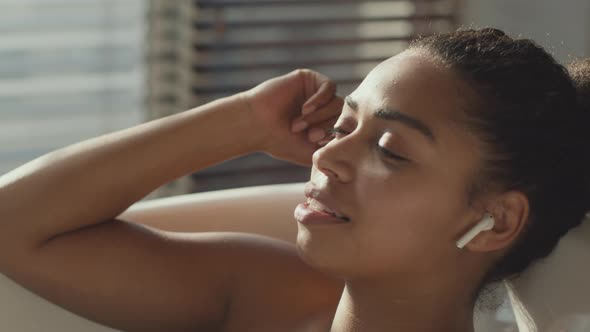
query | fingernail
[316, 134]
[308, 109]
[299, 125]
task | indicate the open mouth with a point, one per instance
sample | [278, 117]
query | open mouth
[318, 206]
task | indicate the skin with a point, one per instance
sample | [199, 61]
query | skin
[73, 250]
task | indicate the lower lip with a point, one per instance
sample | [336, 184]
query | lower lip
[307, 216]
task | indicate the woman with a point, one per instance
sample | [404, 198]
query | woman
[461, 130]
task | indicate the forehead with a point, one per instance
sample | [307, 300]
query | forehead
[415, 83]
[412, 82]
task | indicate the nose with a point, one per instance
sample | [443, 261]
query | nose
[335, 160]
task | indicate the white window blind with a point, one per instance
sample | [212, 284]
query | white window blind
[69, 70]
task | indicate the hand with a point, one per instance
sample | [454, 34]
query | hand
[293, 113]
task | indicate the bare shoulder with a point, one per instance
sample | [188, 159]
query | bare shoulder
[273, 289]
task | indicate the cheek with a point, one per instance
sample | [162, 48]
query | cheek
[408, 224]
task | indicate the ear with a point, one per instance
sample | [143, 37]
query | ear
[510, 211]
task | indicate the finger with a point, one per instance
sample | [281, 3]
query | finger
[320, 131]
[332, 109]
[311, 81]
[302, 155]
[322, 96]
[299, 125]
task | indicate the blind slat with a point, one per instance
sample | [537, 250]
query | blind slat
[203, 68]
[202, 25]
[242, 3]
[229, 89]
[295, 43]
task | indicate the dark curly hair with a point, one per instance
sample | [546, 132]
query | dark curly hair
[533, 116]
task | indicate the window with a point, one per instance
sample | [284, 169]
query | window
[69, 70]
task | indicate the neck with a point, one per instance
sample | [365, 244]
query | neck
[367, 307]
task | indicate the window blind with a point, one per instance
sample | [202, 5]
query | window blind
[69, 70]
[203, 50]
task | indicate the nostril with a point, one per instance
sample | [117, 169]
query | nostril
[329, 173]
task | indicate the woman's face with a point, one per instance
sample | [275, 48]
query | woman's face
[399, 169]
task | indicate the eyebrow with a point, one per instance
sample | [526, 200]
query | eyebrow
[394, 115]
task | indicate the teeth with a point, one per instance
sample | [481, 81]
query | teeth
[318, 206]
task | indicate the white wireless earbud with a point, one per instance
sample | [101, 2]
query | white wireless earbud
[485, 224]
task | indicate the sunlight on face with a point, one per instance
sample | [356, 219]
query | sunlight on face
[399, 168]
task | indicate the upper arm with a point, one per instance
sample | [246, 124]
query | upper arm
[132, 277]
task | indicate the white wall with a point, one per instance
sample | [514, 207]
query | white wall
[562, 26]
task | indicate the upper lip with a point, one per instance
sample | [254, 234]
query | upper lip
[323, 197]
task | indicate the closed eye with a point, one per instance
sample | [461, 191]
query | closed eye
[337, 132]
[390, 154]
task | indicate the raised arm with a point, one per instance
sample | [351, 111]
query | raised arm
[58, 232]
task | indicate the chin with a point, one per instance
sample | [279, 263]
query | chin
[326, 256]
[337, 258]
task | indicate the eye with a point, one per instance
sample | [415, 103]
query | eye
[338, 132]
[390, 154]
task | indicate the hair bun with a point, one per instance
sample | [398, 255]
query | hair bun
[494, 32]
[580, 73]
